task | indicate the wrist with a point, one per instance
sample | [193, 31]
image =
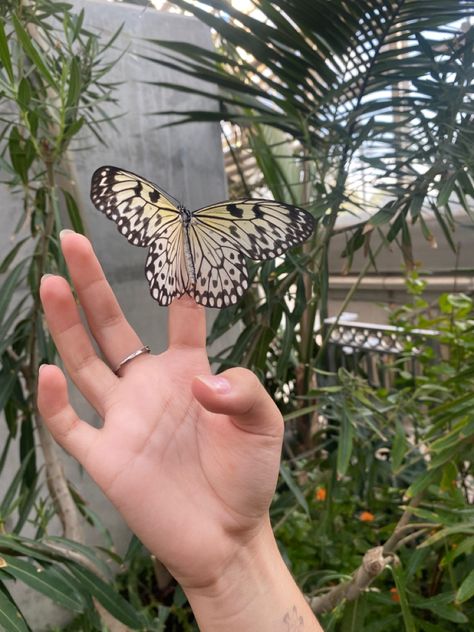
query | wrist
[254, 591]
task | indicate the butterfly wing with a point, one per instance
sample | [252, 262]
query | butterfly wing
[140, 209]
[220, 269]
[260, 229]
[146, 217]
[221, 234]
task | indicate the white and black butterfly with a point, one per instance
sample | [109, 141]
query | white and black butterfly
[201, 253]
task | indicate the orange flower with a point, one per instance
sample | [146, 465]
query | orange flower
[320, 493]
[366, 516]
[394, 595]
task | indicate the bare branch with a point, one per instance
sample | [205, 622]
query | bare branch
[373, 564]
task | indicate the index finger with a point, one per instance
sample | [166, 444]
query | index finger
[186, 323]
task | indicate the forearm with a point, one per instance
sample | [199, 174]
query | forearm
[256, 592]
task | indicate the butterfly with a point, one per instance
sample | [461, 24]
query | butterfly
[201, 253]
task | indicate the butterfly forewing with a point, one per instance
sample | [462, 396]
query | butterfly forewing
[141, 211]
[260, 229]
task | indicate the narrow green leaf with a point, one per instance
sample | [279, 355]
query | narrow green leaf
[399, 447]
[466, 589]
[9, 497]
[29, 48]
[48, 582]
[24, 93]
[5, 53]
[344, 447]
[293, 486]
[11, 618]
[398, 575]
[73, 212]
[72, 129]
[422, 482]
[463, 527]
[108, 597]
[8, 288]
[19, 545]
[11, 256]
[445, 190]
[74, 91]
[8, 380]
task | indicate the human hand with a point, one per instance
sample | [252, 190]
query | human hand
[190, 462]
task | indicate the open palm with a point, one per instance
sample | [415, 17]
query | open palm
[189, 459]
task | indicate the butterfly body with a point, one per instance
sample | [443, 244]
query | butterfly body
[202, 252]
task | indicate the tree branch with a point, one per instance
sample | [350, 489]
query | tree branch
[373, 564]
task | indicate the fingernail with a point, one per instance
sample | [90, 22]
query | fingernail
[45, 276]
[215, 382]
[41, 366]
[65, 231]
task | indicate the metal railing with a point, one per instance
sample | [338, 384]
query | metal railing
[378, 352]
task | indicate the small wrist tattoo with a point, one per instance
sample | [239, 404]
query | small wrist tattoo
[294, 623]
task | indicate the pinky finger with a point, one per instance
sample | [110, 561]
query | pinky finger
[73, 434]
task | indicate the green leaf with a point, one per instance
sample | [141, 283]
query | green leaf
[8, 502]
[28, 548]
[422, 482]
[385, 214]
[11, 618]
[344, 446]
[73, 212]
[24, 93]
[408, 619]
[4, 265]
[5, 53]
[50, 582]
[8, 380]
[27, 44]
[293, 486]
[108, 597]
[462, 527]
[8, 287]
[399, 447]
[445, 190]
[74, 91]
[466, 589]
[73, 128]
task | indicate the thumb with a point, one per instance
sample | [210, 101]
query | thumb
[239, 394]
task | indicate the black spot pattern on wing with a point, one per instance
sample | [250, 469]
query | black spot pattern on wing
[202, 253]
[221, 270]
[260, 229]
[165, 267]
[141, 211]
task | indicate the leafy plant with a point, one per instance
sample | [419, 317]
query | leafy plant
[359, 108]
[53, 84]
[378, 450]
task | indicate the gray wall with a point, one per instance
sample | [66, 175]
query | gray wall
[185, 160]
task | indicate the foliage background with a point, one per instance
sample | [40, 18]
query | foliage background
[327, 96]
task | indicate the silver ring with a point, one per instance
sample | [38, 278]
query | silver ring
[132, 356]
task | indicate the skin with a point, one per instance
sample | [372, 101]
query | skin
[191, 459]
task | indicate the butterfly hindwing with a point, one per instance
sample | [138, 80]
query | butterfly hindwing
[165, 267]
[140, 209]
[220, 269]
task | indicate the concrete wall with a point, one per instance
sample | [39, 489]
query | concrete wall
[186, 160]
